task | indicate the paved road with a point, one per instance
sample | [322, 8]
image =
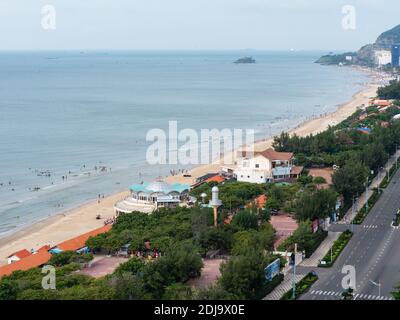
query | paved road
[374, 251]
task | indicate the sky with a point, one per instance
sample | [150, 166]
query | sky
[193, 25]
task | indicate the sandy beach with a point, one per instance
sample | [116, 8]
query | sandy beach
[74, 222]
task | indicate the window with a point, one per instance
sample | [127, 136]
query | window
[257, 165]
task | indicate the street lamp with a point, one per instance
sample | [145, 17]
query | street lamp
[377, 285]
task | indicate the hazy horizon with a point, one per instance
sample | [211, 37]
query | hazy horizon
[304, 25]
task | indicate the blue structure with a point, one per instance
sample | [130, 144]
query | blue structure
[396, 55]
[272, 270]
[159, 187]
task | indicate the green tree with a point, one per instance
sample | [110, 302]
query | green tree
[67, 257]
[178, 291]
[133, 266]
[243, 276]
[396, 293]
[215, 292]
[128, 286]
[8, 289]
[179, 264]
[245, 219]
[317, 204]
[217, 238]
[350, 180]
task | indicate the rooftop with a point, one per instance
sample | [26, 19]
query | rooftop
[159, 186]
[217, 178]
[32, 261]
[80, 241]
[20, 254]
[270, 154]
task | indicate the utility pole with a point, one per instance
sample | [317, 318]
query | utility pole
[352, 216]
[366, 196]
[294, 273]
[387, 169]
[379, 183]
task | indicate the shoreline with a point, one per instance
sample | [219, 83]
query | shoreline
[73, 222]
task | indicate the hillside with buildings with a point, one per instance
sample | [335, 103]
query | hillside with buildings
[383, 52]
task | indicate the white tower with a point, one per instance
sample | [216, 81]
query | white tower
[215, 203]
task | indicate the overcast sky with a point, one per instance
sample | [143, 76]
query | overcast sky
[194, 24]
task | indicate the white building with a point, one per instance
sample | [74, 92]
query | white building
[265, 166]
[383, 57]
[147, 197]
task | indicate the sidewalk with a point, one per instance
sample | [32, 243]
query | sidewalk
[374, 184]
[322, 250]
[284, 287]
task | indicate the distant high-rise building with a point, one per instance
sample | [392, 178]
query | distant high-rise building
[396, 55]
[383, 57]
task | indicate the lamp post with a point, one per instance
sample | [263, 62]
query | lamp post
[352, 216]
[377, 285]
[203, 196]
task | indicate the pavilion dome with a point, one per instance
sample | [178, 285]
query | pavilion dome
[159, 186]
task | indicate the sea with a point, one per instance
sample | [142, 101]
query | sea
[73, 124]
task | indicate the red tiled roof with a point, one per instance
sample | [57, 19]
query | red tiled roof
[44, 248]
[271, 154]
[261, 201]
[79, 242]
[296, 170]
[382, 103]
[217, 178]
[29, 262]
[20, 254]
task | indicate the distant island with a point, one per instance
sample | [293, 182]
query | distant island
[378, 53]
[245, 60]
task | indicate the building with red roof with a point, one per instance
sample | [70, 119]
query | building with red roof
[34, 260]
[28, 260]
[16, 256]
[79, 242]
[381, 103]
[265, 166]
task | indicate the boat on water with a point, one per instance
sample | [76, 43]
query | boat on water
[245, 60]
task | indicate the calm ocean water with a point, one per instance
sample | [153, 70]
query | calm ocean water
[67, 112]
